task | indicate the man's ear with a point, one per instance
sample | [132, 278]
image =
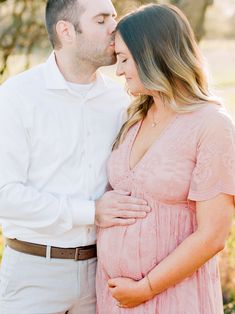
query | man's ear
[65, 32]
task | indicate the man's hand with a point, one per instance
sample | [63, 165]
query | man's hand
[118, 208]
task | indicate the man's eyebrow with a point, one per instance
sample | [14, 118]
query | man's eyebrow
[105, 14]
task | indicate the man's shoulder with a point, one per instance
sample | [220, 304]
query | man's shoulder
[113, 84]
[116, 90]
[22, 81]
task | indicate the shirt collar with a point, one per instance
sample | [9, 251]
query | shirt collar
[53, 77]
[55, 80]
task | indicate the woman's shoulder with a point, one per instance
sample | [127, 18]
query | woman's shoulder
[214, 125]
[213, 116]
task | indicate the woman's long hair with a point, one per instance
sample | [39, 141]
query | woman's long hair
[168, 61]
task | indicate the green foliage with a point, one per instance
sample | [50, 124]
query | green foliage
[229, 308]
[227, 262]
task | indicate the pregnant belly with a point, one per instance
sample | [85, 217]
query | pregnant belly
[129, 251]
[132, 251]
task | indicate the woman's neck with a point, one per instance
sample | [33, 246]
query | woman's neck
[159, 108]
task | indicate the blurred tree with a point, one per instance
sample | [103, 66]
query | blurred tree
[22, 24]
[194, 10]
[232, 25]
[21, 29]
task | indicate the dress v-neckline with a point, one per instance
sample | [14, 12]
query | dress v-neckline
[148, 151]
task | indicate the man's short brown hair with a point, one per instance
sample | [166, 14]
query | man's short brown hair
[56, 10]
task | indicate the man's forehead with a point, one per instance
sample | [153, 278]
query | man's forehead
[98, 7]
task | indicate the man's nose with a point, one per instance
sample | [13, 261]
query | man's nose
[113, 25]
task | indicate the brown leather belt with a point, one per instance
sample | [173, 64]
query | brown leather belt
[78, 253]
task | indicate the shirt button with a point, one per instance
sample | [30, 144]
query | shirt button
[90, 166]
[88, 133]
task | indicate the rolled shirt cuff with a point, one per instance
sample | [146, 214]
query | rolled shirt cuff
[83, 212]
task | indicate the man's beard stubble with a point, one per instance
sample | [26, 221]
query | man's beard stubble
[93, 55]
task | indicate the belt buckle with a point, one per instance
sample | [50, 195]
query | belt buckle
[77, 254]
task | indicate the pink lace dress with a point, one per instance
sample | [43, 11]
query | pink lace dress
[192, 160]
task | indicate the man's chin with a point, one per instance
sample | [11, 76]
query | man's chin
[111, 60]
[105, 60]
[111, 56]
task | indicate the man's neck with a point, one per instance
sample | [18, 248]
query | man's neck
[75, 72]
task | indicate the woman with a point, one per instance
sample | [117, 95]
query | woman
[177, 151]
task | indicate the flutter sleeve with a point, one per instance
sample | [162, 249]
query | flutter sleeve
[214, 172]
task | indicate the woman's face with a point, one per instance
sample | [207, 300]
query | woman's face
[126, 66]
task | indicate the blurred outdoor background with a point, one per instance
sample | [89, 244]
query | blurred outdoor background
[24, 43]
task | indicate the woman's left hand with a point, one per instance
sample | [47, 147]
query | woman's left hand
[128, 292]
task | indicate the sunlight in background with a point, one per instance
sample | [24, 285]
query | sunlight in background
[218, 47]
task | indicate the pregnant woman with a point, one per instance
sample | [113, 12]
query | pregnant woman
[177, 151]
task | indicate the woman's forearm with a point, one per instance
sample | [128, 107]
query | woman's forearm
[190, 255]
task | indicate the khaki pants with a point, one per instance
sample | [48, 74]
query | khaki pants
[38, 285]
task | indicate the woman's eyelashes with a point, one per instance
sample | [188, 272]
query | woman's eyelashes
[121, 59]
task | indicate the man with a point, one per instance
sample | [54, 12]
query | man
[57, 124]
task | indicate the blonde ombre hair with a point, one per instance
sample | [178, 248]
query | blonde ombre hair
[166, 55]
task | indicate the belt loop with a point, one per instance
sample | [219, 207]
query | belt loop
[76, 257]
[48, 252]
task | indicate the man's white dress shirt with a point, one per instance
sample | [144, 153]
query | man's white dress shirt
[54, 144]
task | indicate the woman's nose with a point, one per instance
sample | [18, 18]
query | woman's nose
[119, 70]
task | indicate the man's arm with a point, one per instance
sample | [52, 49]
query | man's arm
[24, 205]
[118, 208]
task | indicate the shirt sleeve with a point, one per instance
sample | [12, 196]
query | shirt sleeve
[22, 204]
[214, 172]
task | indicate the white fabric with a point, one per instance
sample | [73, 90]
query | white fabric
[36, 285]
[53, 150]
[81, 89]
